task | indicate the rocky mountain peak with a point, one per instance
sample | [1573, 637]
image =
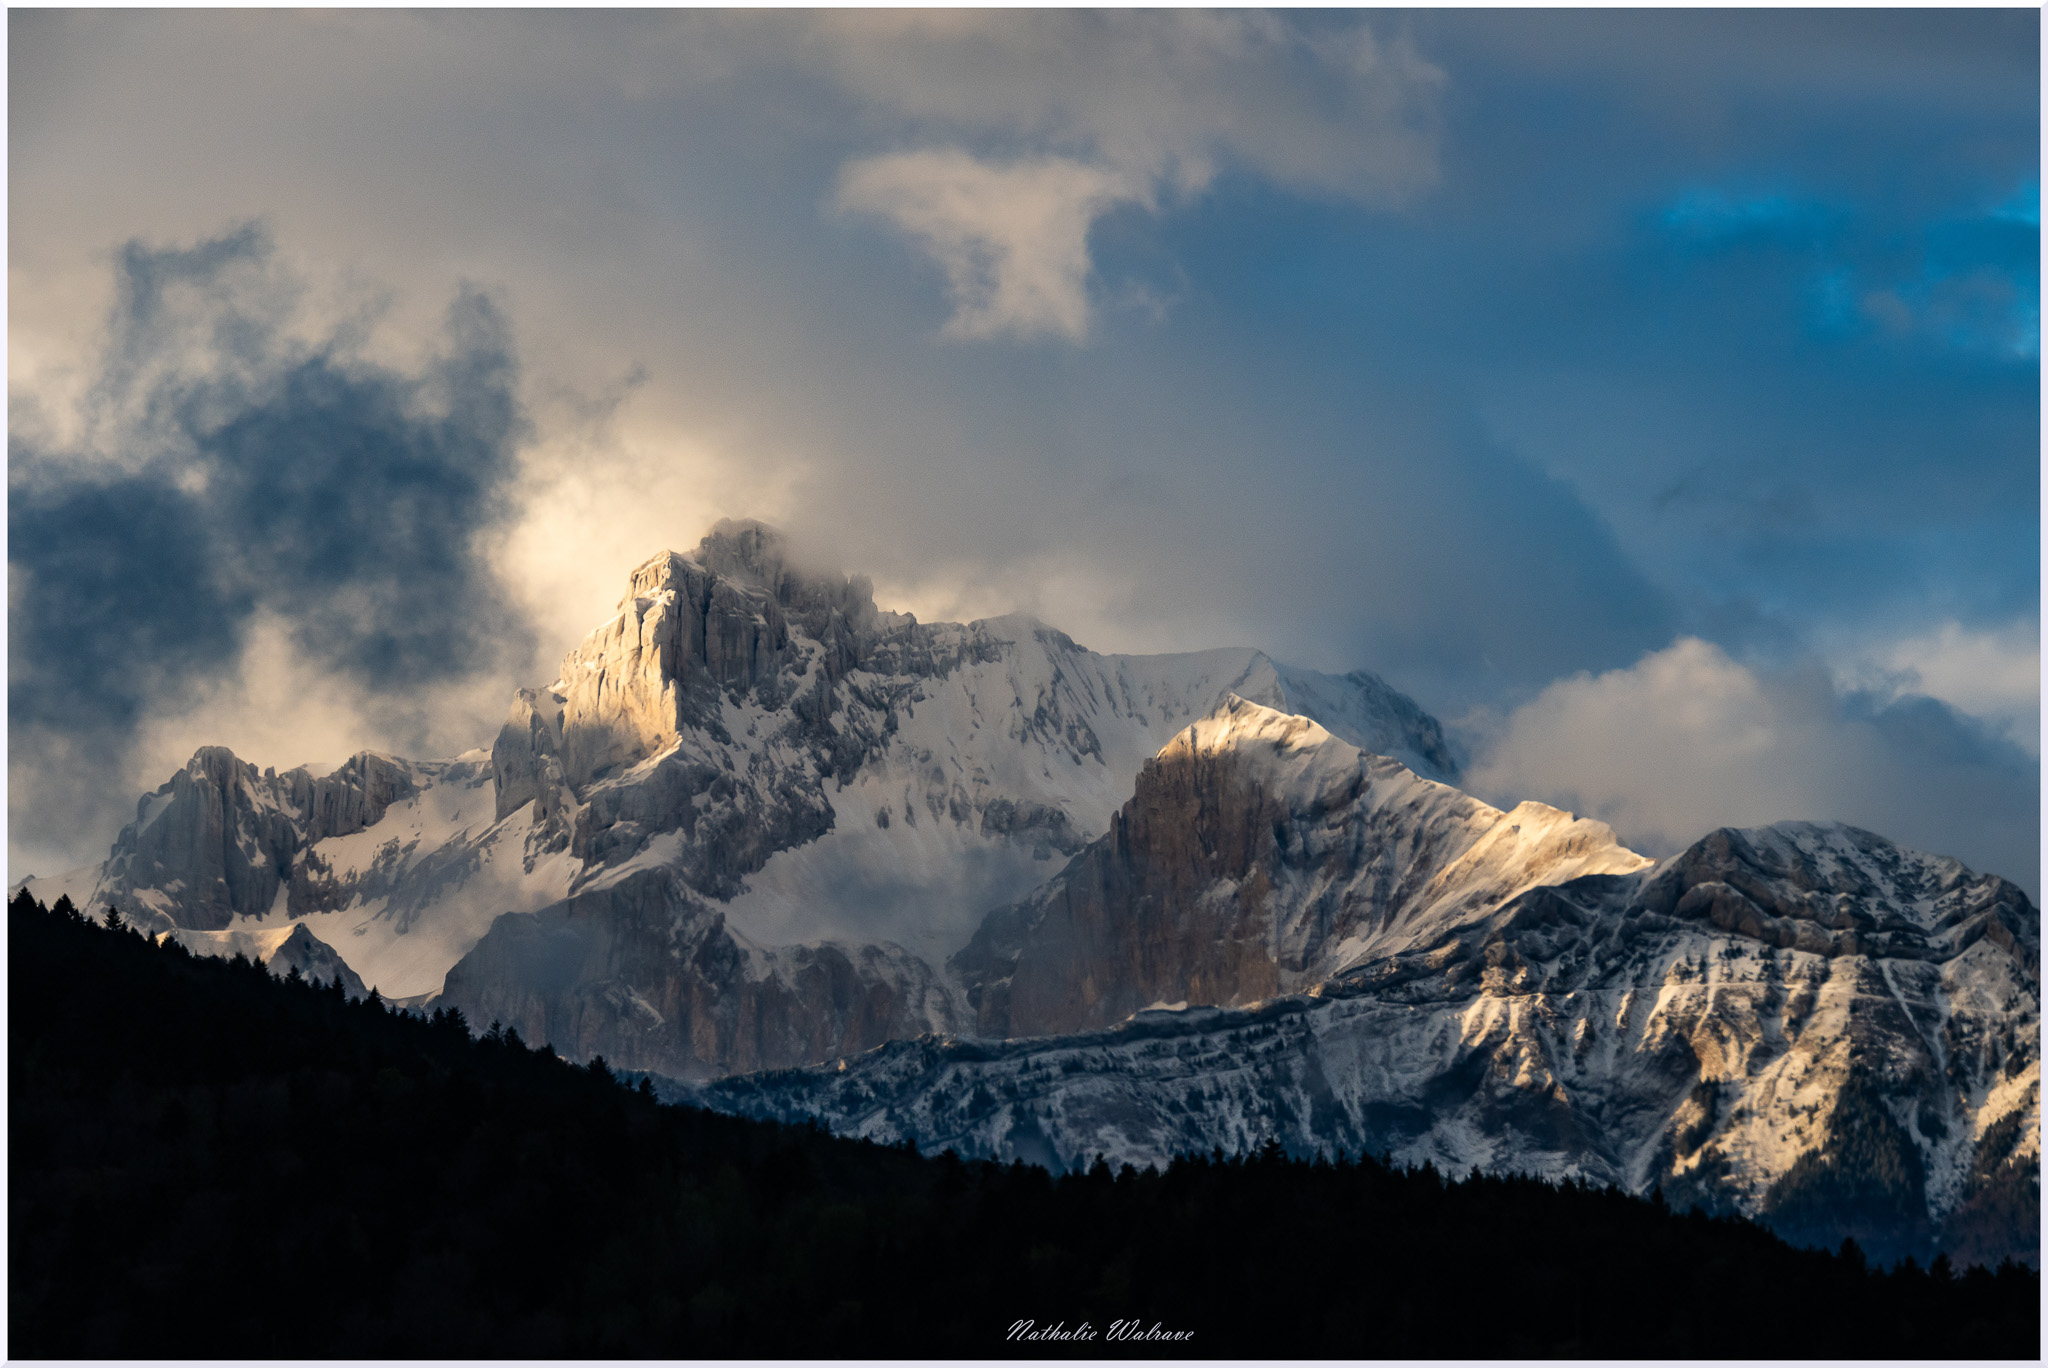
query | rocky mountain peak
[1260, 854]
[1291, 754]
[1238, 723]
[744, 552]
[1831, 889]
[756, 823]
[744, 549]
[221, 838]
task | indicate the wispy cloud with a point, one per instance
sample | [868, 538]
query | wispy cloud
[1034, 125]
[1012, 239]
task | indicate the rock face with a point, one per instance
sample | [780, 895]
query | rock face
[758, 823]
[645, 973]
[1853, 1049]
[1259, 855]
[731, 692]
[221, 840]
[831, 796]
[395, 865]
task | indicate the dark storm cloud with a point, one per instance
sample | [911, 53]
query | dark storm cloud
[237, 468]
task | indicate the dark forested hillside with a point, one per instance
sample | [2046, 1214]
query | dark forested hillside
[208, 1161]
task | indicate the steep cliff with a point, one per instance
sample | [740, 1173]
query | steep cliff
[757, 823]
[1259, 855]
[222, 840]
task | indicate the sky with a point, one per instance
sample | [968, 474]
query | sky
[1653, 395]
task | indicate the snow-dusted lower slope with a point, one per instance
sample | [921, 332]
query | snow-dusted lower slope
[1717, 1026]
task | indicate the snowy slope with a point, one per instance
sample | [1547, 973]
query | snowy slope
[758, 822]
[914, 854]
[398, 865]
[1690, 1027]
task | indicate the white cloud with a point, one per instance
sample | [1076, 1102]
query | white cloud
[1688, 739]
[1993, 675]
[1012, 239]
[1094, 110]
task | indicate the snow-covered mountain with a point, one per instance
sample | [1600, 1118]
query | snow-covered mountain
[398, 865]
[281, 948]
[1801, 1022]
[974, 885]
[749, 760]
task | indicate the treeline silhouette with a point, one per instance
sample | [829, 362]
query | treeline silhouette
[208, 1161]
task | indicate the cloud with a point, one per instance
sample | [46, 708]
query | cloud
[1688, 739]
[1268, 471]
[232, 468]
[1991, 674]
[1986, 311]
[1090, 111]
[1012, 240]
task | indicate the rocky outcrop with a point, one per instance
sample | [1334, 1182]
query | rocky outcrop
[220, 839]
[1258, 855]
[646, 974]
[754, 815]
[793, 682]
[1838, 890]
[633, 741]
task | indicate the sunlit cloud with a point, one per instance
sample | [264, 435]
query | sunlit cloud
[1688, 739]
[1011, 239]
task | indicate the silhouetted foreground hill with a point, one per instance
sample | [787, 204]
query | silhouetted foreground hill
[208, 1161]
